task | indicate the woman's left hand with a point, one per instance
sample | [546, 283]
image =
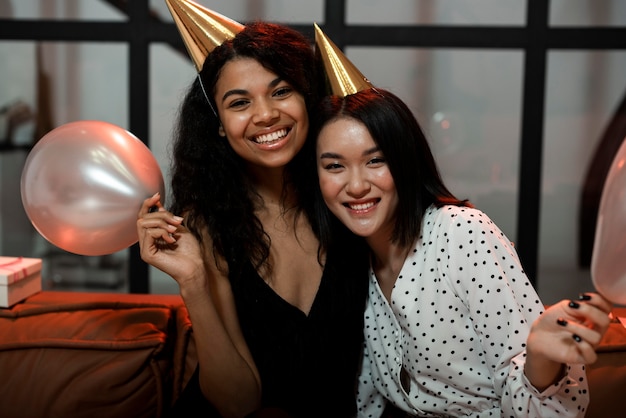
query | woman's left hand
[568, 332]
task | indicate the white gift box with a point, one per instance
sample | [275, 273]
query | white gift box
[20, 277]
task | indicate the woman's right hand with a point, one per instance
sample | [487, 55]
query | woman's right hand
[166, 243]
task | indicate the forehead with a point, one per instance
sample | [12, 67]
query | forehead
[243, 73]
[345, 133]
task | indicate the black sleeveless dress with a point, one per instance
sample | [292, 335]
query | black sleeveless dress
[308, 364]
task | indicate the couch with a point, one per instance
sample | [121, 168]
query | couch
[93, 355]
[87, 354]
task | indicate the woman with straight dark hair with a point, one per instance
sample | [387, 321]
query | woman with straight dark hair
[453, 326]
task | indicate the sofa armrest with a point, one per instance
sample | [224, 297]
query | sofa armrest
[93, 354]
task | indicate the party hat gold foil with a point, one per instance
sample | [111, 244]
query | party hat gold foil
[343, 76]
[201, 29]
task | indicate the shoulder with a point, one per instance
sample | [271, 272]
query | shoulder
[459, 222]
[456, 215]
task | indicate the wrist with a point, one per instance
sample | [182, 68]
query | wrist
[193, 288]
[542, 372]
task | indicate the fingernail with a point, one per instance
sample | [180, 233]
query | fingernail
[178, 218]
[584, 296]
[576, 338]
[156, 194]
[574, 305]
[562, 322]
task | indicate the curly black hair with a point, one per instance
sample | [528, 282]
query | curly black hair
[209, 183]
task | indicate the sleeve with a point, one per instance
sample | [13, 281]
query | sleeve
[370, 403]
[487, 274]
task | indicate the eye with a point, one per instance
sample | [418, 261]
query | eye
[238, 103]
[283, 91]
[333, 166]
[377, 161]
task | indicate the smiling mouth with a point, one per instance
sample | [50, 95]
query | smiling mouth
[271, 137]
[360, 206]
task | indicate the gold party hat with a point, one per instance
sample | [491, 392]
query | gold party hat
[343, 76]
[201, 29]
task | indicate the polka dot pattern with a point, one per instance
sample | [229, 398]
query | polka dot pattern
[452, 341]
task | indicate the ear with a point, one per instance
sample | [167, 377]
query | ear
[220, 131]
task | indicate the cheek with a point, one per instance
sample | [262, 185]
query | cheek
[384, 180]
[232, 125]
[329, 187]
[296, 108]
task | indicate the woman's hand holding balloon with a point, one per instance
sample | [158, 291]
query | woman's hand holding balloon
[166, 244]
[567, 332]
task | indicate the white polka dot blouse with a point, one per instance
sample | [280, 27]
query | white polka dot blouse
[452, 341]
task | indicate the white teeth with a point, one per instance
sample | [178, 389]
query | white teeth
[274, 136]
[362, 206]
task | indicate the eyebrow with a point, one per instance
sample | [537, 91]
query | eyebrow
[370, 151]
[233, 92]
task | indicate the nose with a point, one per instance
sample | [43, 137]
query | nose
[358, 185]
[265, 113]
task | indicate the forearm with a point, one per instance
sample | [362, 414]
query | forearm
[228, 376]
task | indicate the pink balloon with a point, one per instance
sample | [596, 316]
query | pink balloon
[83, 184]
[608, 261]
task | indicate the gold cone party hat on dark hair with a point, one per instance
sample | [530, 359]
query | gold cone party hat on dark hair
[343, 76]
[201, 29]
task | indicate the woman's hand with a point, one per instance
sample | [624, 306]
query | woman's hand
[166, 244]
[568, 332]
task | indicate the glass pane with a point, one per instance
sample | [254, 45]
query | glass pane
[425, 12]
[170, 74]
[468, 103]
[588, 13]
[18, 103]
[60, 10]
[584, 89]
[286, 11]
[44, 86]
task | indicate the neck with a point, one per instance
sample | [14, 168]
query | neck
[387, 261]
[387, 257]
[269, 184]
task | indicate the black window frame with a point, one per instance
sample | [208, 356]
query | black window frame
[535, 39]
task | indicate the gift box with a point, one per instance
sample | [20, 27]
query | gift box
[20, 277]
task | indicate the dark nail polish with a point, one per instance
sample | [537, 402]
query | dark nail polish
[574, 305]
[562, 322]
[584, 296]
[576, 338]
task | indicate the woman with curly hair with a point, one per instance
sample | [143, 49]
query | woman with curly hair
[277, 318]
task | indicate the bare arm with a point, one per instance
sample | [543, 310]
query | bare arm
[228, 376]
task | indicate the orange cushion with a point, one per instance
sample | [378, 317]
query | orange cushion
[89, 355]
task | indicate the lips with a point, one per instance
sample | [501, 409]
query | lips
[271, 137]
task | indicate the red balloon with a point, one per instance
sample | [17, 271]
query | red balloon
[83, 184]
[608, 260]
